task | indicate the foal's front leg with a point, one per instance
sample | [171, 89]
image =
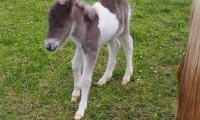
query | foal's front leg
[86, 78]
[76, 66]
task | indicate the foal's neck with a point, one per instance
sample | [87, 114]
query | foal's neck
[83, 16]
[84, 12]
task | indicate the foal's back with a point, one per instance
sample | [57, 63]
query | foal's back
[117, 7]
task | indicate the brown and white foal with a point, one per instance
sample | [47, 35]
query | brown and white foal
[90, 27]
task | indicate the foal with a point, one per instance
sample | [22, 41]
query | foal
[90, 27]
[189, 71]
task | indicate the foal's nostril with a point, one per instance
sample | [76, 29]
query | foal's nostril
[48, 47]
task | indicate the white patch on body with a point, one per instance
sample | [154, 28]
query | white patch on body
[108, 23]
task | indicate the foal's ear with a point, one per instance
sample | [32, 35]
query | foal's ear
[63, 2]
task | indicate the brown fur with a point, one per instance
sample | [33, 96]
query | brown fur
[188, 72]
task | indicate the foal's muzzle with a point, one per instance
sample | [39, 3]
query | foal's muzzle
[51, 44]
[50, 47]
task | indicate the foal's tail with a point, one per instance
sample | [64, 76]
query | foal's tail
[188, 72]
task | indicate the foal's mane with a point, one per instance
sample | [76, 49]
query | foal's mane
[87, 10]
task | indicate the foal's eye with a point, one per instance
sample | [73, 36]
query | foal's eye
[61, 25]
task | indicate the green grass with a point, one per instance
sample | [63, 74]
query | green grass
[36, 84]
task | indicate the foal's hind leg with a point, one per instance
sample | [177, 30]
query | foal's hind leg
[113, 47]
[127, 43]
[76, 66]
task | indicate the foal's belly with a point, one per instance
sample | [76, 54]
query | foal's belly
[108, 24]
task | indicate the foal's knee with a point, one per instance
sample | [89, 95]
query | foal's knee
[75, 69]
[75, 66]
[86, 83]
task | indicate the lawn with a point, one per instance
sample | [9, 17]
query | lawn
[36, 84]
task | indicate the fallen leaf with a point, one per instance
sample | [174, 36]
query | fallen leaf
[155, 71]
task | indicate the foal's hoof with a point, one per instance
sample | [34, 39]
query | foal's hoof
[77, 117]
[99, 83]
[124, 83]
[74, 99]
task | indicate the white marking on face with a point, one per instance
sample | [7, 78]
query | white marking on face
[56, 42]
[108, 23]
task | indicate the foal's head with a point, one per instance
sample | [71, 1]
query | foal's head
[60, 24]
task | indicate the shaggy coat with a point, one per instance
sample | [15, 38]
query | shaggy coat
[90, 27]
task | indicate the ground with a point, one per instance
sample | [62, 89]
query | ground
[36, 84]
